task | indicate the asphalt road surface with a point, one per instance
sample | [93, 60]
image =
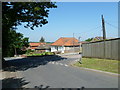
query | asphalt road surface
[56, 72]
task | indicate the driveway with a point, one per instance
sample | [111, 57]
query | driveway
[55, 72]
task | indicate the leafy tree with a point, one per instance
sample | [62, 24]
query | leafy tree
[35, 14]
[89, 39]
[42, 39]
[25, 42]
[20, 44]
[15, 43]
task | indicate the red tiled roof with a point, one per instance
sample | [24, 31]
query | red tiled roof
[66, 42]
[36, 44]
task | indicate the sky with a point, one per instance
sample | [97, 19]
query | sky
[81, 18]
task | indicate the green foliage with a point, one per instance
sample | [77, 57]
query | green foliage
[15, 41]
[35, 14]
[42, 39]
[19, 51]
[49, 42]
[25, 42]
[41, 54]
[29, 51]
[89, 39]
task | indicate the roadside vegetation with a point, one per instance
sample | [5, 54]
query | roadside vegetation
[18, 13]
[99, 64]
[39, 54]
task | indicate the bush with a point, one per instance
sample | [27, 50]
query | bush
[42, 54]
[29, 51]
[49, 53]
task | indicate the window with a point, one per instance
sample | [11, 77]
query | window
[56, 48]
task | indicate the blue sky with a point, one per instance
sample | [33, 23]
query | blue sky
[81, 18]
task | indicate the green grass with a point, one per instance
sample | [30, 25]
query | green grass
[99, 64]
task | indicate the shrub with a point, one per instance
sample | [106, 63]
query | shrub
[29, 51]
[41, 54]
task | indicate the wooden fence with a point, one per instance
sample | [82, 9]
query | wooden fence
[108, 49]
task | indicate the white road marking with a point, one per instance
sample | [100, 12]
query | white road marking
[52, 62]
[60, 63]
[66, 65]
[57, 63]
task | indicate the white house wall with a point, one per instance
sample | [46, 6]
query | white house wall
[68, 48]
[57, 48]
[53, 49]
[60, 48]
[47, 50]
[63, 49]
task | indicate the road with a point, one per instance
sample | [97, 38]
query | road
[55, 73]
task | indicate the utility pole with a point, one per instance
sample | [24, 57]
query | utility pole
[79, 43]
[104, 34]
[73, 43]
[80, 60]
[103, 28]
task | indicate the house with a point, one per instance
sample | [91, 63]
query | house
[33, 46]
[65, 44]
[43, 48]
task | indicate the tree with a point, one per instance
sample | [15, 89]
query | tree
[42, 39]
[20, 43]
[89, 39]
[15, 43]
[34, 13]
[15, 13]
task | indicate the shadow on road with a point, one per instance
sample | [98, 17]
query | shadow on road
[30, 62]
[13, 83]
[18, 84]
[41, 87]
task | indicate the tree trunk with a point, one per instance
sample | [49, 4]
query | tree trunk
[4, 63]
[15, 52]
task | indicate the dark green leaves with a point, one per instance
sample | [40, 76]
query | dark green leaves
[42, 39]
[15, 13]
[34, 13]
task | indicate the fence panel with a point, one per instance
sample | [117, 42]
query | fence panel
[114, 52]
[108, 49]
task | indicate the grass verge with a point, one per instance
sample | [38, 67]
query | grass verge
[99, 64]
